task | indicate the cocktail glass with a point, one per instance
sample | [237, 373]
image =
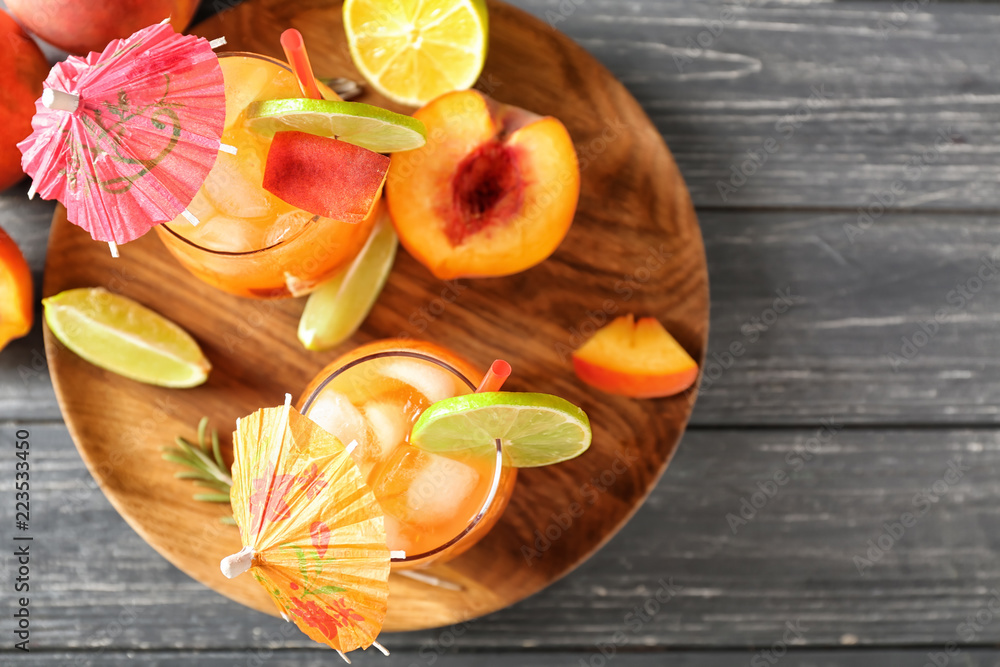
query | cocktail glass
[436, 507]
[247, 241]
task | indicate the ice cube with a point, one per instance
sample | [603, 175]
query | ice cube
[395, 535]
[334, 413]
[220, 233]
[423, 489]
[389, 426]
[245, 85]
[234, 186]
[286, 225]
[440, 488]
[432, 381]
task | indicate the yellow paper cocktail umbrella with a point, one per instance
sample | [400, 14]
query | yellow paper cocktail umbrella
[313, 532]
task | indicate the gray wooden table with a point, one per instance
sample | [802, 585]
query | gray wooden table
[843, 153]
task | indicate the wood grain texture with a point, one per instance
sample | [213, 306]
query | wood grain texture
[892, 326]
[634, 210]
[792, 562]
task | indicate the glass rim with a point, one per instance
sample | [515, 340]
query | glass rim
[243, 253]
[498, 462]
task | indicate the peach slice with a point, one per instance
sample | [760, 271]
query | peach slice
[324, 176]
[638, 359]
[15, 292]
[492, 192]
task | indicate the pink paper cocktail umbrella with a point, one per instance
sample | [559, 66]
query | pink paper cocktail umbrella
[124, 138]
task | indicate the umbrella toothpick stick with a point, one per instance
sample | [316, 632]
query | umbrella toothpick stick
[58, 100]
[190, 217]
[237, 564]
[114, 249]
[343, 655]
[430, 580]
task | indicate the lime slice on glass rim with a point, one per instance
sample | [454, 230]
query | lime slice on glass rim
[123, 336]
[339, 306]
[357, 123]
[534, 429]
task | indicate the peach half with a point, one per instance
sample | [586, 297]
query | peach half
[492, 192]
[635, 358]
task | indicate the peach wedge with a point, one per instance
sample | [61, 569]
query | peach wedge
[492, 192]
[635, 358]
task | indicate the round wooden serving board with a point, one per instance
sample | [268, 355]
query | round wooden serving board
[635, 247]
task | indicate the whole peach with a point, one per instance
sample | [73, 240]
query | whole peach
[24, 69]
[80, 26]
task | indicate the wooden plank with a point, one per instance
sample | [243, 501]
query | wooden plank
[849, 93]
[855, 298]
[793, 561]
[857, 293]
[426, 658]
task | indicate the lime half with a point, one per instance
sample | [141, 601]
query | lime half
[534, 429]
[124, 337]
[364, 125]
[338, 307]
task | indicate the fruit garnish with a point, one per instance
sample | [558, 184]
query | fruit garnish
[534, 429]
[635, 358]
[122, 336]
[494, 196]
[338, 307]
[25, 67]
[364, 125]
[205, 466]
[323, 176]
[412, 51]
[16, 313]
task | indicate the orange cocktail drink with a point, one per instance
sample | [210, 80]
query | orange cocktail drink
[248, 241]
[435, 506]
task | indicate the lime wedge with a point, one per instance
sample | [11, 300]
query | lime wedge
[364, 125]
[338, 307]
[534, 429]
[124, 337]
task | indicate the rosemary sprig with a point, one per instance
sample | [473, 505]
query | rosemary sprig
[205, 466]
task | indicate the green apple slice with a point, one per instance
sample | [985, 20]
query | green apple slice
[338, 307]
[364, 125]
[534, 429]
[122, 336]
